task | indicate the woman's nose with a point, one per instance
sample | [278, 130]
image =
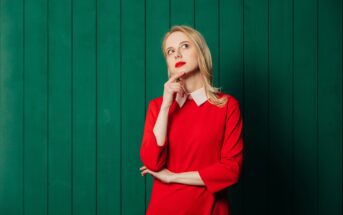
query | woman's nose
[178, 53]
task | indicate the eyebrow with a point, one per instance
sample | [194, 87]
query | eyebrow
[180, 43]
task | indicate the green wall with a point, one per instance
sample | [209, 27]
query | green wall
[76, 77]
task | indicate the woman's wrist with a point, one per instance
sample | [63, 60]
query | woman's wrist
[190, 178]
[173, 178]
[165, 107]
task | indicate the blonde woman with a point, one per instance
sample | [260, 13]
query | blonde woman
[192, 143]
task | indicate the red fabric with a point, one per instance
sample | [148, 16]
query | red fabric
[205, 138]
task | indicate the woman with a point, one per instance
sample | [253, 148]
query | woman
[192, 143]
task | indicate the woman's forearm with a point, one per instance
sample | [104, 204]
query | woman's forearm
[160, 131]
[160, 128]
[190, 178]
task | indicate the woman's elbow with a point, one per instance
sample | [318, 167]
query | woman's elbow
[151, 163]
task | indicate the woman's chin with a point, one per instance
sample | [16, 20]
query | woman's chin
[189, 72]
[180, 71]
[183, 70]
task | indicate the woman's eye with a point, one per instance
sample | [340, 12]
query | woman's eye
[169, 51]
[185, 45]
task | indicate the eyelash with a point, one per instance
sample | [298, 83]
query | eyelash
[168, 52]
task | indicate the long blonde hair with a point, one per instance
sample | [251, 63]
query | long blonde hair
[204, 61]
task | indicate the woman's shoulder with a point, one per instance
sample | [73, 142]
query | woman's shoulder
[231, 100]
[156, 101]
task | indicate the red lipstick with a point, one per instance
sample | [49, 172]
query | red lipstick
[179, 64]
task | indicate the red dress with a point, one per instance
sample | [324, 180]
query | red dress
[204, 138]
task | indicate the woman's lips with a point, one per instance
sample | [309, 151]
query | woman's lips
[179, 64]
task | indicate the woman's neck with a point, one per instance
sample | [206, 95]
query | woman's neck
[192, 82]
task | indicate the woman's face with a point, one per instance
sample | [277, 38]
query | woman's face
[181, 54]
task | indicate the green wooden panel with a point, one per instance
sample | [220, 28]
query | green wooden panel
[207, 23]
[108, 107]
[231, 75]
[231, 41]
[35, 107]
[329, 90]
[76, 78]
[133, 67]
[256, 105]
[59, 108]
[84, 108]
[305, 108]
[280, 107]
[156, 73]
[11, 107]
[181, 12]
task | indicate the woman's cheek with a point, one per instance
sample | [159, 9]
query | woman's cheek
[170, 67]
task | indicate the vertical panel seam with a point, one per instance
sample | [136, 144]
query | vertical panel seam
[219, 42]
[145, 80]
[194, 23]
[317, 111]
[1, 24]
[243, 90]
[292, 150]
[268, 109]
[243, 62]
[23, 114]
[72, 105]
[341, 101]
[120, 104]
[169, 9]
[47, 106]
[96, 106]
[1, 63]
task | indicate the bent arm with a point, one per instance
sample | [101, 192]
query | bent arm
[160, 128]
[226, 172]
[153, 148]
[190, 178]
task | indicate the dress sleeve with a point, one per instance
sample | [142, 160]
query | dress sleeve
[152, 155]
[226, 172]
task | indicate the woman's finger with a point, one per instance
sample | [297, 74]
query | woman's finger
[177, 87]
[177, 84]
[147, 171]
[178, 90]
[182, 84]
[174, 77]
[144, 172]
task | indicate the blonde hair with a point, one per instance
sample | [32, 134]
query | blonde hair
[204, 61]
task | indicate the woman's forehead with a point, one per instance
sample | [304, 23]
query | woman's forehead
[175, 38]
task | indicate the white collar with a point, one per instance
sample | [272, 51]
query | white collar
[199, 96]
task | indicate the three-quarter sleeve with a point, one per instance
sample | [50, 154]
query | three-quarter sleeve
[152, 155]
[226, 172]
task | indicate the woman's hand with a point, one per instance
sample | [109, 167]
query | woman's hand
[164, 175]
[170, 87]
